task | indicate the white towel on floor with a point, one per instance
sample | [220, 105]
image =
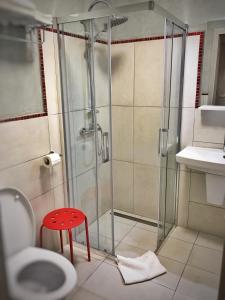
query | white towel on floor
[141, 268]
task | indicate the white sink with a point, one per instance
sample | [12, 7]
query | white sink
[207, 160]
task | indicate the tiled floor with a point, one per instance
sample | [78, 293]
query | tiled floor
[192, 260]
[128, 234]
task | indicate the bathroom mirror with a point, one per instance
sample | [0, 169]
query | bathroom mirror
[215, 58]
[219, 86]
[22, 83]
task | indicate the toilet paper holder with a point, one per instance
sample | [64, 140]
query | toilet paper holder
[51, 159]
[51, 152]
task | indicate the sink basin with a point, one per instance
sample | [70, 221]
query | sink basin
[207, 160]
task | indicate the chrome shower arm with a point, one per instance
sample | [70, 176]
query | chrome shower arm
[99, 1]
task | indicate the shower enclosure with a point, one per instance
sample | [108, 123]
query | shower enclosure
[121, 74]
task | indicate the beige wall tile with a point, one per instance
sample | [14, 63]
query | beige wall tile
[30, 177]
[59, 196]
[187, 127]
[122, 133]
[23, 140]
[146, 191]
[101, 74]
[54, 132]
[146, 128]
[149, 70]
[183, 198]
[207, 145]
[57, 71]
[50, 73]
[123, 185]
[76, 73]
[122, 74]
[198, 187]
[206, 219]
[56, 174]
[208, 128]
[41, 206]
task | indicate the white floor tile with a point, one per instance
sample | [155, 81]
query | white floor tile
[108, 283]
[207, 259]
[83, 294]
[210, 241]
[198, 284]
[105, 228]
[105, 243]
[140, 238]
[178, 296]
[147, 227]
[128, 250]
[83, 267]
[176, 249]
[118, 219]
[174, 271]
[184, 234]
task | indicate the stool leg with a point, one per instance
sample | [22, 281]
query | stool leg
[61, 240]
[87, 239]
[71, 245]
[41, 232]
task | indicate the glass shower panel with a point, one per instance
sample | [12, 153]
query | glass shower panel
[170, 132]
[102, 87]
[163, 131]
[85, 70]
[174, 114]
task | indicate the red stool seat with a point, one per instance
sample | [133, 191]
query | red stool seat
[65, 219]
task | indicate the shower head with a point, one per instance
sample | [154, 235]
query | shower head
[115, 21]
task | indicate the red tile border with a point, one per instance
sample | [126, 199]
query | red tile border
[25, 117]
[200, 61]
[43, 88]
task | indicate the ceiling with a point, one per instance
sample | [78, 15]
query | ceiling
[192, 12]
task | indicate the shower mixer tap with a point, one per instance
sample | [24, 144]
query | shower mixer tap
[103, 145]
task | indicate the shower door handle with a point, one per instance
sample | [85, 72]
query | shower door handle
[105, 152]
[161, 150]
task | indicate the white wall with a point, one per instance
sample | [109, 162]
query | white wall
[23, 145]
[200, 130]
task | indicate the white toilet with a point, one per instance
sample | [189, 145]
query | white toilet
[33, 273]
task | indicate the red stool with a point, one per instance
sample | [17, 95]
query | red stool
[65, 219]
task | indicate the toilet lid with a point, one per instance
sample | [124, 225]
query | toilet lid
[16, 221]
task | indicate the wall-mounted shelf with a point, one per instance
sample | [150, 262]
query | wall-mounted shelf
[212, 108]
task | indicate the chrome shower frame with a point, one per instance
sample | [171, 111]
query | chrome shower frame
[93, 15]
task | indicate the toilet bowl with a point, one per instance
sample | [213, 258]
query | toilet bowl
[33, 273]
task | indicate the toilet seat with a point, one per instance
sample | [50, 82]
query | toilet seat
[31, 255]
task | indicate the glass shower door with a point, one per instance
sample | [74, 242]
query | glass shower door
[169, 134]
[85, 65]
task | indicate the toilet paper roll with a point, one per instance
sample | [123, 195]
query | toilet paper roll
[51, 160]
